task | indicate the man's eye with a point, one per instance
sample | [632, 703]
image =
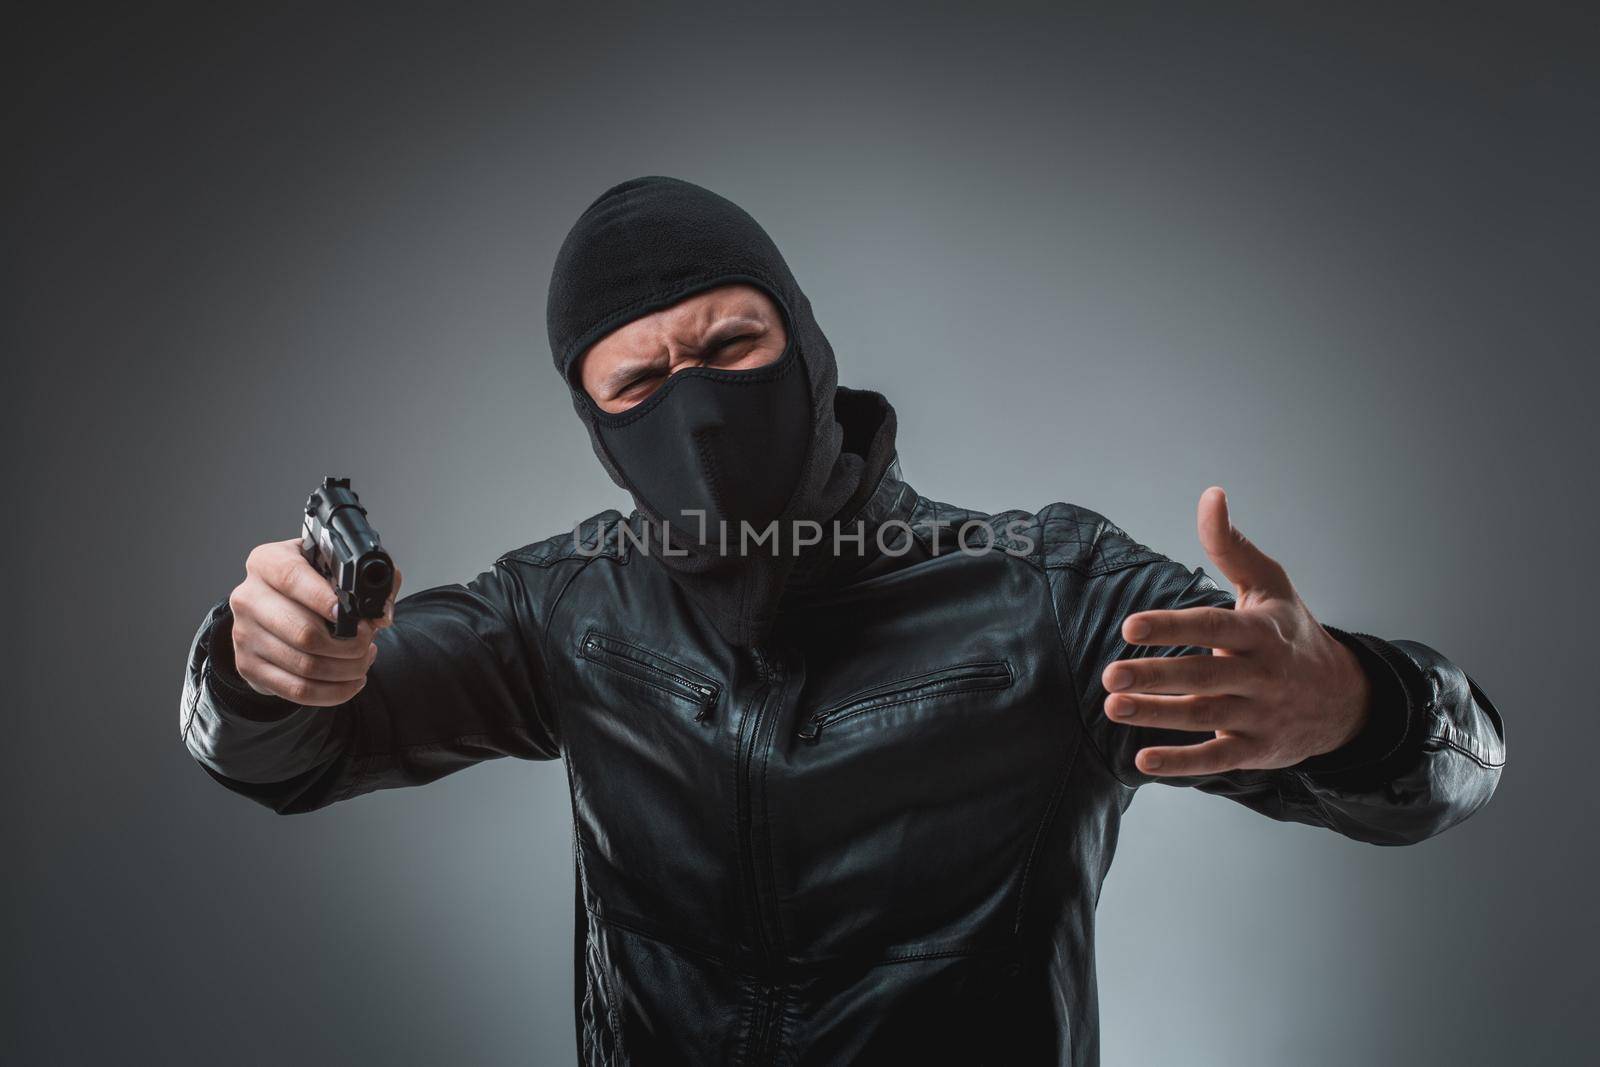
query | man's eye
[637, 383]
[728, 344]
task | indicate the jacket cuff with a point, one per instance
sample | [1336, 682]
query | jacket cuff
[228, 689]
[1395, 718]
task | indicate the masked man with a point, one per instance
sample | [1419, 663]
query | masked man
[847, 764]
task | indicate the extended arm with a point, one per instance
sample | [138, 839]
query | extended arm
[1427, 753]
[454, 682]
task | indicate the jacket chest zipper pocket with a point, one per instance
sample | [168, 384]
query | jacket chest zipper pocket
[961, 678]
[653, 670]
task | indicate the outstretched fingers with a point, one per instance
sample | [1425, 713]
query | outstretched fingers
[1227, 752]
[1199, 713]
[1204, 627]
[1203, 674]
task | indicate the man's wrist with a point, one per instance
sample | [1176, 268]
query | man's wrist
[1386, 722]
[1357, 696]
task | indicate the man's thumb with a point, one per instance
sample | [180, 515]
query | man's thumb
[1235, 555]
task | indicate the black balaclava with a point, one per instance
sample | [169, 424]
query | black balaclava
[759, 446]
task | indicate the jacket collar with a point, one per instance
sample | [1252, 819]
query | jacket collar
[859, 545]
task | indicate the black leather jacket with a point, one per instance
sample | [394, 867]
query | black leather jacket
[880, 836]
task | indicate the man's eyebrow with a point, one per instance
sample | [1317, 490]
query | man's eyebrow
[732, 326]
[626, 371]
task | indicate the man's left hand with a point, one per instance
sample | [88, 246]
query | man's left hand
[1276, 689]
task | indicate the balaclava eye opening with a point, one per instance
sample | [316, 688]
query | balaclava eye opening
[761, 446]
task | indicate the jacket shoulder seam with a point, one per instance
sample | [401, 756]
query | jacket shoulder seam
[597, 537]
[1084, 540]
[927, 514]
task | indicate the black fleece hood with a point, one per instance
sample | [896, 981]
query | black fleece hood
[643, 245]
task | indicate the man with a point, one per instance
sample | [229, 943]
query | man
[847, 764]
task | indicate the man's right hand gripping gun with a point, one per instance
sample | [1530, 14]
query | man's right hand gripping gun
[341, 544]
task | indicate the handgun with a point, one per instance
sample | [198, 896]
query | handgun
[341, 544]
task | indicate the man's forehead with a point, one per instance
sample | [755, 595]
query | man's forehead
[711, 304]
[691, 315]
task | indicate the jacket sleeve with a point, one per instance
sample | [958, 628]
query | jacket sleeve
[1430, 755]
[456, 681]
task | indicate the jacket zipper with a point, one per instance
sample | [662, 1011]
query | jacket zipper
[961, 678]
[652, 670]
[750, 743]
[771, 673]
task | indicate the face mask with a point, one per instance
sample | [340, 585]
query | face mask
[741, 446]
[711, 449]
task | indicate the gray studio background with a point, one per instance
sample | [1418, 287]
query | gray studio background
[1342, 267]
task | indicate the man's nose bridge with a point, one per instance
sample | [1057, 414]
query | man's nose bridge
[680, 356]
[674, 354]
